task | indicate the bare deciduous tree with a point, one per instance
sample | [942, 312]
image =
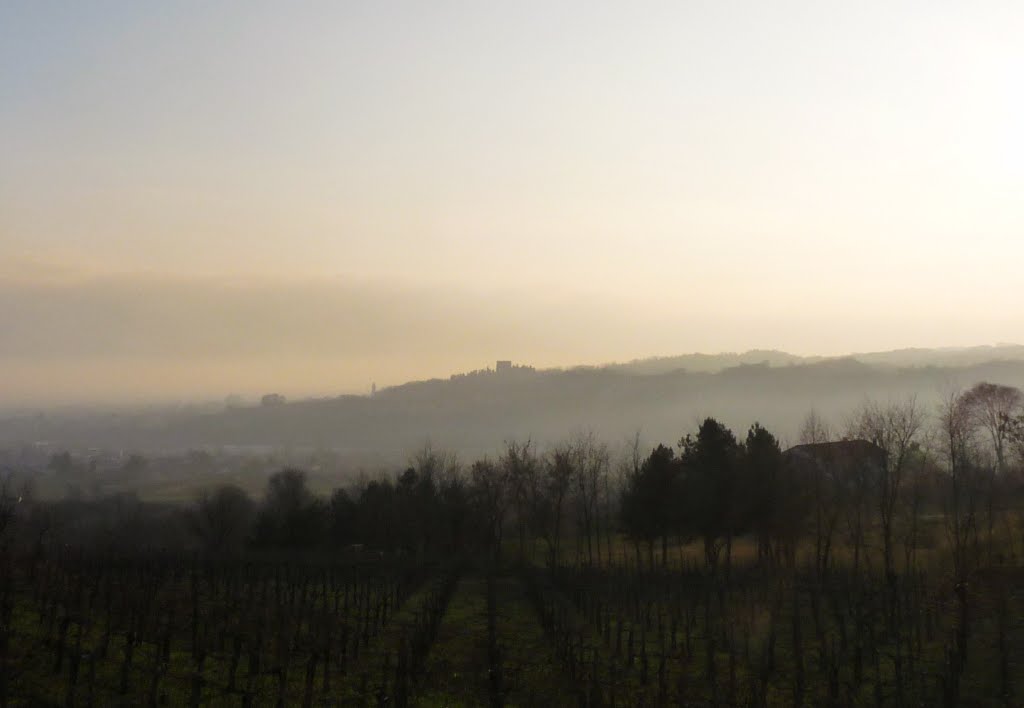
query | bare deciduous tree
[814, 429]
[439, 465]
[957, 446]
[896, 429]
[994, 408]
[627, 471]
[591, 464]
[521, 469]
[559, 472]
[490, 490]
[825, 495]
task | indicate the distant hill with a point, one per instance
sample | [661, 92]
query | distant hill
[709, 363]
[952, 356]
[475, 413]
[712, 363]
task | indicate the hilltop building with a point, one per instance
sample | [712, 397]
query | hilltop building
[505, 367]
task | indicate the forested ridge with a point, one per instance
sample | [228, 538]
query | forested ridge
[474, 413]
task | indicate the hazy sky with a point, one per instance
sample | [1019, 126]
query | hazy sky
[203, 197]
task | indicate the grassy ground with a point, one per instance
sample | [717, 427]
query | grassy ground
[531, 674]
[455, 672]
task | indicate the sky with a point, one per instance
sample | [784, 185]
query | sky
[200, 198]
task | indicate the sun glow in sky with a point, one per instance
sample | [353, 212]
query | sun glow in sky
[198, 198]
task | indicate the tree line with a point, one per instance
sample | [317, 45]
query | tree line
[868, 482]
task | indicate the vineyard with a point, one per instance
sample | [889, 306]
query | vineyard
[86, 630]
